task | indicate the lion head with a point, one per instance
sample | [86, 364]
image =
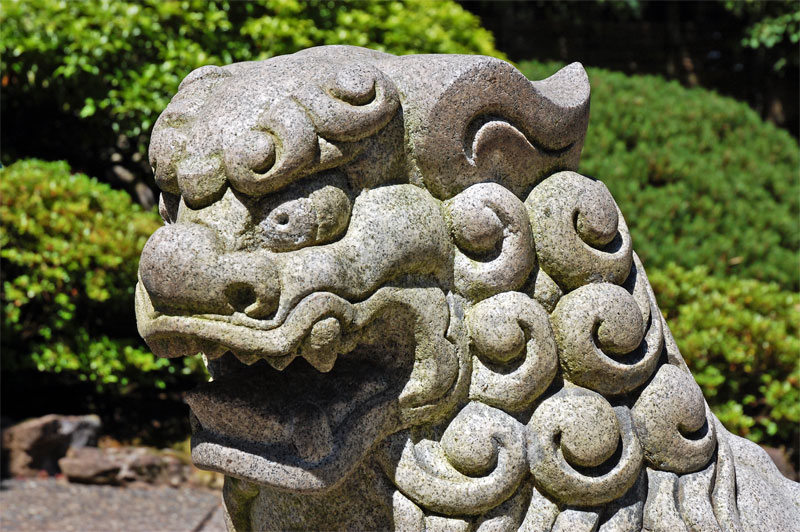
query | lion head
[393, 257]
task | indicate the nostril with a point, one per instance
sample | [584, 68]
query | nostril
[240, 296]
[250, 283]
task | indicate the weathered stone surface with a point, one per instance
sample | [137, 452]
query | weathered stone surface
[417, 315]
[37, 444]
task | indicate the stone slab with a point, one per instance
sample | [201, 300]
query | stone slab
[53, 505]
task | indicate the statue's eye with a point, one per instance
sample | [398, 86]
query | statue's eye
[290, 225]
[320, 217]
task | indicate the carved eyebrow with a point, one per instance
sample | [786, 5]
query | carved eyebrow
[205, 73]
[317, 125]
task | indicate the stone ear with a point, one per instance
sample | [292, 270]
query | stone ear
[487, 122]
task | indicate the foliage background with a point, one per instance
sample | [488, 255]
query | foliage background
[70, 249]
[709, 189]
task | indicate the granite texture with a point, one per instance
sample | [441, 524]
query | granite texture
[417, 315]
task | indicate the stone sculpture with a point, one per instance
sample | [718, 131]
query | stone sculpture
[417, 315]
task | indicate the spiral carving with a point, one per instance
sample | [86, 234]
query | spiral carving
[488, 220]
[354, 102]
[674, 423]
[581, 450]
[465, 475]
[601, 336]
[581, 237]
[639, 287]
[350, 104]
[312, 127]
[258, 166]
[505, 328]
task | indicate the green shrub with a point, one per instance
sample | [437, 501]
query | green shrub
[741, 339]
[85, 81]
[701, 179]
[70, 251]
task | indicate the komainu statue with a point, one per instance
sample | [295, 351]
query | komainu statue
[417, 315]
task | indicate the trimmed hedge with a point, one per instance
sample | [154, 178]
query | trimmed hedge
[700, 178]
[70, 249]
[741, 339]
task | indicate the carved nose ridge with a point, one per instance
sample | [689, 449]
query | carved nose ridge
[183, 267]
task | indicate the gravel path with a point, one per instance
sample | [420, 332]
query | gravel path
[52, 505]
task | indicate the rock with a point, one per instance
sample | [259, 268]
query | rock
[91, 466]
[418, 315]
[37, 444]
[83, 431]
[144, 195]
[122, 466]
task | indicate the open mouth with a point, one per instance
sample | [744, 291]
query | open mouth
[304, 424]
[297, 428]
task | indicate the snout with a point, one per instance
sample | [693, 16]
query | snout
[184, 268]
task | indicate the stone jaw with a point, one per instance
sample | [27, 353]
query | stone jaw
[477, 344]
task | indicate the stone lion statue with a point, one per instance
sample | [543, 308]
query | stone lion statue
[417, 315]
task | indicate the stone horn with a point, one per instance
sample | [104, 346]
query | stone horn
[489, 123]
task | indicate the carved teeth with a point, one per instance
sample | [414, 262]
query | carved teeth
[246, 358]
[321, 347]
[325, 333]
[321, 359]
[280, 363]
[213, 351]
[311, 433]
